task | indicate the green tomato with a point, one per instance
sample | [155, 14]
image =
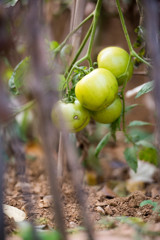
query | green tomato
[115, 59]
[109, 114]
[76, 117]
[97, 89]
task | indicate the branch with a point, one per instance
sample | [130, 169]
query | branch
[151, 13]
[132, 52]
[45, 100]
[1, 191]
[78, 17]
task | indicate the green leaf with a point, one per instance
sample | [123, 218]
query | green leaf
[148, 87]
[49, 235]
[53, 45]
[137, 123]
[145, 143]
[150, 202]
[131, 157]
[9, 3]
[92, 161]
[148, 154]
[102, 143]
[16, 82]
[138, 134]
[128, 108]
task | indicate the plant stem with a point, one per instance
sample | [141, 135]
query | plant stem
[95, 19]
[2, 225]
[24, 107]
[122, 93]
[72, 32]
[124, 106]
[73, 67]
[91, 32]
[80, 49]
[132, 52]
[124, 26]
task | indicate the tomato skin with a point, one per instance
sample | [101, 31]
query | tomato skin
[97, 89]
[76, 117]
[109, 114]
[115, 59]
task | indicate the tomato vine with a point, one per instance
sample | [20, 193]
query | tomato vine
[74, 72]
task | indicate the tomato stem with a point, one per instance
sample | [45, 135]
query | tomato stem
[124, 106]
[132, 52]
[72, 69]
[95, 20]
[122, 94]
[91, 34]
[80, 49]
[23, 108]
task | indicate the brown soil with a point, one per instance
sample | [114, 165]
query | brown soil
[40, 207]
[129, 206]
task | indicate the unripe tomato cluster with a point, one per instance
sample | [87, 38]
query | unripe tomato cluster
[97, 92]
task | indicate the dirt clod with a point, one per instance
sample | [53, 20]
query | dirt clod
[41, 200]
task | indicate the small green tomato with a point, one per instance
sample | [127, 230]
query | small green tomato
[109, 114]
[76, 117]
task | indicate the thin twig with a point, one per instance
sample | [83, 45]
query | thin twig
[151, 14]
[2, 234]
[45, 99]
[76, 174]
[72, 158]
[19, 154]
[77, 13]
[78, 17]
[61, 163]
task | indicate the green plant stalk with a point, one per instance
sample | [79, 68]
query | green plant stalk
[88, 55]
[95, 20]
[70, 73]
[80, 49]
[24, 107]
[122, 93]
[72, 32]
[124, 106]
[132, 52]
[124, 26]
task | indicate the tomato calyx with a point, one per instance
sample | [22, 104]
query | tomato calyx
[78, 73]
[69, 98]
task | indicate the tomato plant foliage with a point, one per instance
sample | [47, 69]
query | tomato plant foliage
[131, 157]
[99, 87]
[16, 82]
[147, 87]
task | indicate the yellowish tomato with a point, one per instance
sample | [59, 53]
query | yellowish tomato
[115, 59]
[110, 113]
[76, 117]
[97, 89]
